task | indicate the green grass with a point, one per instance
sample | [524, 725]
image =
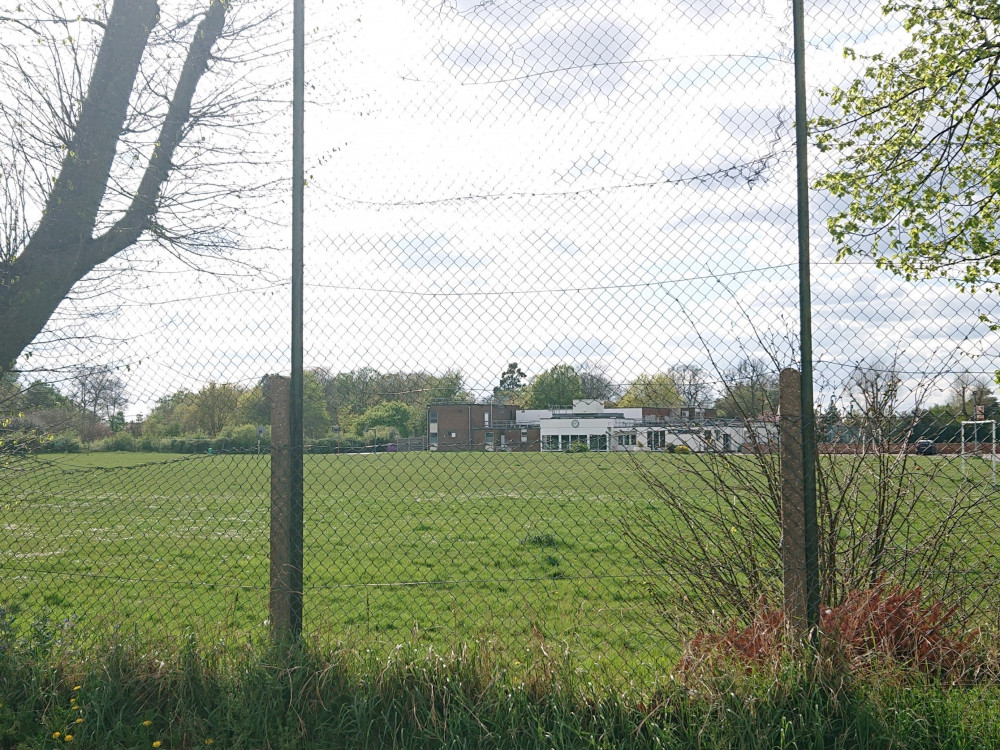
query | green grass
[131, 693]
[432, 549]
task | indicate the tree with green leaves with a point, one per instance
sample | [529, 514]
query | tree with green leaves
[658, 391]
[557, 386]
[916, 139]
[511, 387]
[393, 414]
[254, 406]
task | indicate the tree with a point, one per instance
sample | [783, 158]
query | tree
[969, 393]
[254, 405]
[692, 385]
[511, 387]
[72, 197]
[393, 414]
[874, 389]
[596, 383]
[558, 386]
[168, 417]
[826, 424]
[212, 408]
[658, 391]
[750, 390]
[98, 391]
[916, 141]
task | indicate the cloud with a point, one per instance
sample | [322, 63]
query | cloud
[423, 252]
[552, 66]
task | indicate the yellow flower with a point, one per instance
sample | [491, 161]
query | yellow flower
[157, 743]
[79, 720]
[56, 735]
[77, 687]
[68, 738]
[147, 723]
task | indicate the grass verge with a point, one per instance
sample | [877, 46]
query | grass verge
[128, 693]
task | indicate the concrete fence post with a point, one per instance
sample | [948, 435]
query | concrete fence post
[285, 600]
[793, 519]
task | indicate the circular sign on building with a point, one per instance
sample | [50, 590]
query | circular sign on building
[575, 423]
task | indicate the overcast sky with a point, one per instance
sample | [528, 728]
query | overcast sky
[550, 182]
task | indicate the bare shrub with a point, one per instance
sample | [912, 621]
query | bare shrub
[709, 540]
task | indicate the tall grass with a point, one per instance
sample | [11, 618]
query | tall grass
[127, 693]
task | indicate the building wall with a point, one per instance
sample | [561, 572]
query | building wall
[463, 427]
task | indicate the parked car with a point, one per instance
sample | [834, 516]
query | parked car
[926, 448]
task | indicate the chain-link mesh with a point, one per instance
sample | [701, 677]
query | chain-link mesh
[551, 277]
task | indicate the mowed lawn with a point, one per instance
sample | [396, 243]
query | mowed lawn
[431, 548]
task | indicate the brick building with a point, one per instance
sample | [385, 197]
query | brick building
[477, 427]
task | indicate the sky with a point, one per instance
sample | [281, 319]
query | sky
[548, 183]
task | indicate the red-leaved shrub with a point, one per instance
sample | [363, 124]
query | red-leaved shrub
[880, 625]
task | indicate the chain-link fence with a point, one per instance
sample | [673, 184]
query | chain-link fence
[551, 277]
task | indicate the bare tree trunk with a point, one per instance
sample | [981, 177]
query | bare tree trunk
[63, 249]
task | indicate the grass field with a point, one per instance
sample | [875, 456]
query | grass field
[426, 548]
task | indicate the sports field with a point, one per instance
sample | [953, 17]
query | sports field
[419, 547]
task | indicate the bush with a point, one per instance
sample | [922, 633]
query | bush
[578, 446]
[681, 449]
[882, 626]
[120, 441]
[241, 439]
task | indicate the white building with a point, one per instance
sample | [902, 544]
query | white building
[637, 428]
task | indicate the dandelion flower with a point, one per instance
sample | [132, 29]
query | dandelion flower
[77, 687]
[157, 743]
[147, 723]
[68, 738]
[56, 735]
[79, 720]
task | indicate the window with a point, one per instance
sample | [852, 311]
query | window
[626, 439]
[489, 438]
[486, 419]
[434, 438]
[432, 417]
[550, 443]
[524, 436]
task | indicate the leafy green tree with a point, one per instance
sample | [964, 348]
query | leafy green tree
[916, 138]
[511, 379]
[212, 408]
[315, 417]
[254, 405]
[167, 418]
[558, 386]
[510, 389]
[40, 395]
[828, 421]
[657, 390]
[393, 414]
